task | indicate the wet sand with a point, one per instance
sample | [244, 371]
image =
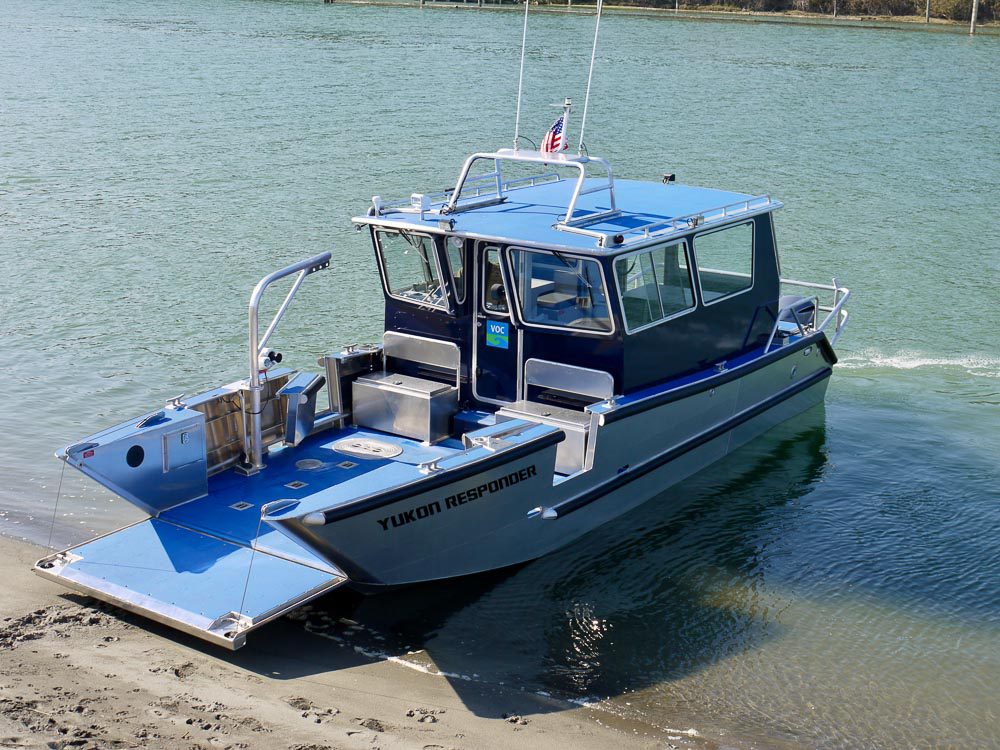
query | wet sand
[75, 673]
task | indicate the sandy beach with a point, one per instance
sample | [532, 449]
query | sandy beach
[75, 673]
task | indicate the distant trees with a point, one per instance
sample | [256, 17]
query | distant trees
[954, 10]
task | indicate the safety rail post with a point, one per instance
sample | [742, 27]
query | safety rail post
[255, 449]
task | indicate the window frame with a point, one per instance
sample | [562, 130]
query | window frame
[446, 305]
[483, 252]
[459, 298]
[519, 306]
[695, 292]
[753, 261]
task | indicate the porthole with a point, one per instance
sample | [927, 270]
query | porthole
[135, 456]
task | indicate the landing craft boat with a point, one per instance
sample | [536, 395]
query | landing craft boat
[558, 348]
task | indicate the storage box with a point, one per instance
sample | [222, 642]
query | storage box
[403, 405]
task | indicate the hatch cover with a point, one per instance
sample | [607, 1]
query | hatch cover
[364, 447]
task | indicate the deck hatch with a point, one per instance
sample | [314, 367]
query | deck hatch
[365, 447]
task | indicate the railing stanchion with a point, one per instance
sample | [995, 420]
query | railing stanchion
[255, 449]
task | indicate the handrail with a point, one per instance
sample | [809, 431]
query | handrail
[835, 311]
[579, 162]
[255, 449]
[442, 197]
[663, 227]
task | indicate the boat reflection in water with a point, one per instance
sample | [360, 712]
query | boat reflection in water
[660, 593]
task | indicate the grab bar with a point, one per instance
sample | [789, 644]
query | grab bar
[255, 449]
[835, 313]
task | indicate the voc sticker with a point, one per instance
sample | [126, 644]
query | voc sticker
[497, 334]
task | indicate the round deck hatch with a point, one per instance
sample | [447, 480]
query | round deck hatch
[367, 448]
[309, 464]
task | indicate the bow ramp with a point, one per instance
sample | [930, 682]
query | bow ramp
[215, 588]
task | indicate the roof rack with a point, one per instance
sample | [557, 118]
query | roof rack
[665, 227]
[483, 188]
[490, 188]
[577, 161]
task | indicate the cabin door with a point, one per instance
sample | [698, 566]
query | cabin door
[496, 342]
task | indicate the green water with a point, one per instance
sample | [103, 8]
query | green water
[835, 584]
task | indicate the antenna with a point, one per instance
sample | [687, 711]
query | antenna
[590, 75]
[520, 77]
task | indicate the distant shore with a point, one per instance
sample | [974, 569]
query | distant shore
[77, 673]
[791, 17]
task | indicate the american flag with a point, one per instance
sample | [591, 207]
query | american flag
[554, 141]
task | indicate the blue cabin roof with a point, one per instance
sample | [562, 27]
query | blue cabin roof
[526, 213]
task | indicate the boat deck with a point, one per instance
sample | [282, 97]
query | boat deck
[231, 510]
[210, 566]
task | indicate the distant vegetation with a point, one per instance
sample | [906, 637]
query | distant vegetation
[953, 10]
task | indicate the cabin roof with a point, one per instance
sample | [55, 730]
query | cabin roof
[531, 215]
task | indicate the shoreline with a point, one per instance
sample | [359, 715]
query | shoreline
[901, 23]
[76, 672]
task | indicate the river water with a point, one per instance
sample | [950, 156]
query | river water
[834, 584]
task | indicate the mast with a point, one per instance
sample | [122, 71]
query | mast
[520, 77]
[590, 75]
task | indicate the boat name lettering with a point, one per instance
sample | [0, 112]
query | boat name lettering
[409, 516]
[459, 498]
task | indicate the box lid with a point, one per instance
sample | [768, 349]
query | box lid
[395, 381]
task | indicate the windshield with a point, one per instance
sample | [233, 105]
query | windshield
[411, 268]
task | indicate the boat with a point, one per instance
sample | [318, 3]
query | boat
[560, 346]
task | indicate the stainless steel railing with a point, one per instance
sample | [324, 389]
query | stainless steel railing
[255, 449]
[835, 312]
[476, 187]
[578, 162]
[676, 225]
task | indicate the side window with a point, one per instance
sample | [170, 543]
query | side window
[725, 261]
[654, 284]
[411, 269]
[560, 291]
[456, 260]
[494, 291]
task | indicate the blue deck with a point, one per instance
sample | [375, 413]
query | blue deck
[214, 514]
[529, 213]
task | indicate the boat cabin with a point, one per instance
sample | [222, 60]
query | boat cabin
[572, 289]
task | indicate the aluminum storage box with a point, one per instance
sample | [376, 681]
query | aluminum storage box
[417, 408]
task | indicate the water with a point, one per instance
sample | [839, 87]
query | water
[834, 584]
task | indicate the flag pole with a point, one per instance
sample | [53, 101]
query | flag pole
[520, 77]
[590, 75]
[567, 104]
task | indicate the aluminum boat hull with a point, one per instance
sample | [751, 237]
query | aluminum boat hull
[635, 457]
